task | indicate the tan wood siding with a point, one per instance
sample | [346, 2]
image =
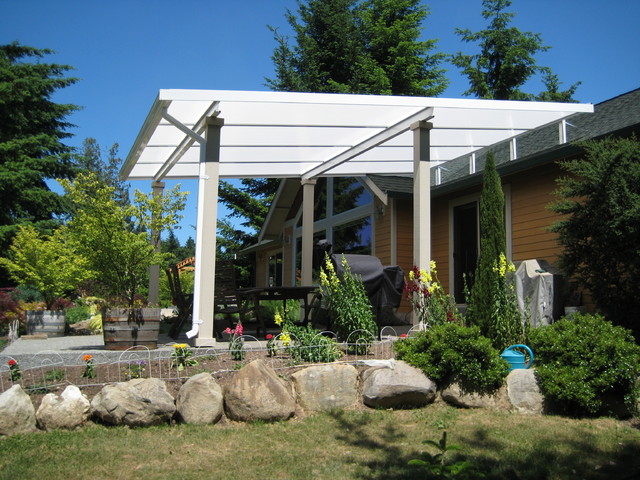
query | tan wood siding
[531, 193]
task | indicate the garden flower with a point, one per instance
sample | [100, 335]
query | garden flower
[14, 370]
[286, 339]
[89, 371]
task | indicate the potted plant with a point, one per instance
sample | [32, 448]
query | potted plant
[118, 240]
[53, 267]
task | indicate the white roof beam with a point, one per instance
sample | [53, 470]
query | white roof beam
[192, 135]
[371, 142]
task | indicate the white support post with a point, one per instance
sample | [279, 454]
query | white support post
[421, 195]
[154, 270]
[207, 218]
[308, 190]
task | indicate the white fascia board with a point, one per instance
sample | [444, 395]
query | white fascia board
[140, 143]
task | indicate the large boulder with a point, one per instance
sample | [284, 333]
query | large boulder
[398, 386]
[68, 410]
[257, 393]
[459, 395]
[200, 400]
[136, 403]
[17, 414]
[523, 391]
[326, 387]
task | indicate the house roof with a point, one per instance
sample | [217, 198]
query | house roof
[305, 135]
[619, 115]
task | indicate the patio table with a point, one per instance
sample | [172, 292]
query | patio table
[258, 294]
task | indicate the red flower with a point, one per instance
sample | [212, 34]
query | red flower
[403, 335]
[12, 363]
[269, 336]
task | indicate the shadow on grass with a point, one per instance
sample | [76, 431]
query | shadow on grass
[552, 458]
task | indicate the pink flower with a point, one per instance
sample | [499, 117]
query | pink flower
[269, 336]
[238, 329]
[228, 330]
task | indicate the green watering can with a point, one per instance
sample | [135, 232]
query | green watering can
[517, 359]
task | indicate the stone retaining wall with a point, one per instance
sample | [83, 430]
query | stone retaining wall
[257, 392]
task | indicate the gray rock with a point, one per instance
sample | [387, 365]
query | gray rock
[399, 386]
[17, 414]
[68, 410]
[136, 403]
[200, 400]
[523, 391]
[257, 393]
[457, 395]
[326, 387]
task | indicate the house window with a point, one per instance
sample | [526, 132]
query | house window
[275, 270]
[353, 237]
[348, 194]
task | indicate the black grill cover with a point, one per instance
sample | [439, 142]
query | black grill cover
[384, 285]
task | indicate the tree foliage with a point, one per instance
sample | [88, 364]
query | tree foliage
[351, 46]
[600, 233]
[492, 244]
[49, 263]
[32, 128]
[506, 60]
[115, 239]
[90, 159]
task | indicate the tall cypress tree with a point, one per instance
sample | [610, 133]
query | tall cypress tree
[492, 243]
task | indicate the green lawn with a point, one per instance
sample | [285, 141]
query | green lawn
[372, 444]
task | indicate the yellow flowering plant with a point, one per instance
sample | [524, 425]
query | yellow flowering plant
[181, 357]
[427, 297]
[507, 326]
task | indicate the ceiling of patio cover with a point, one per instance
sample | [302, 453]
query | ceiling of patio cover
[282, 134]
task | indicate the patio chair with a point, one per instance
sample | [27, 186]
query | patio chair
[182, 301]
[228, 301]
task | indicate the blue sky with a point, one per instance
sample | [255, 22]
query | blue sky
[124, 51]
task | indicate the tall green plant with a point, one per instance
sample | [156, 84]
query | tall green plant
[347, 300]
[117, 239]
[49, 263]
[491, 303]
[492, 244]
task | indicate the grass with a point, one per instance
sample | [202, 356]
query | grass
[373, 444]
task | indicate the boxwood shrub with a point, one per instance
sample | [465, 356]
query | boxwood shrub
[453, 352]
[585, 365]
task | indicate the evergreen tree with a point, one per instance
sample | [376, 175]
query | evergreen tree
[90, 160]
[600, 230]
[350, 46]
[32, 128]
[399, 63]
[506, 60]
[492, 244]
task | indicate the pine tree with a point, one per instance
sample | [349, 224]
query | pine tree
[506, 60]
[32, 128]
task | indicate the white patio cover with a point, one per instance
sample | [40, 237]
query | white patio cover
[307, 135]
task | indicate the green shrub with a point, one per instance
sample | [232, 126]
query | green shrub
[77, 314]
[584, 361]
[309, 346]
[454, 352]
